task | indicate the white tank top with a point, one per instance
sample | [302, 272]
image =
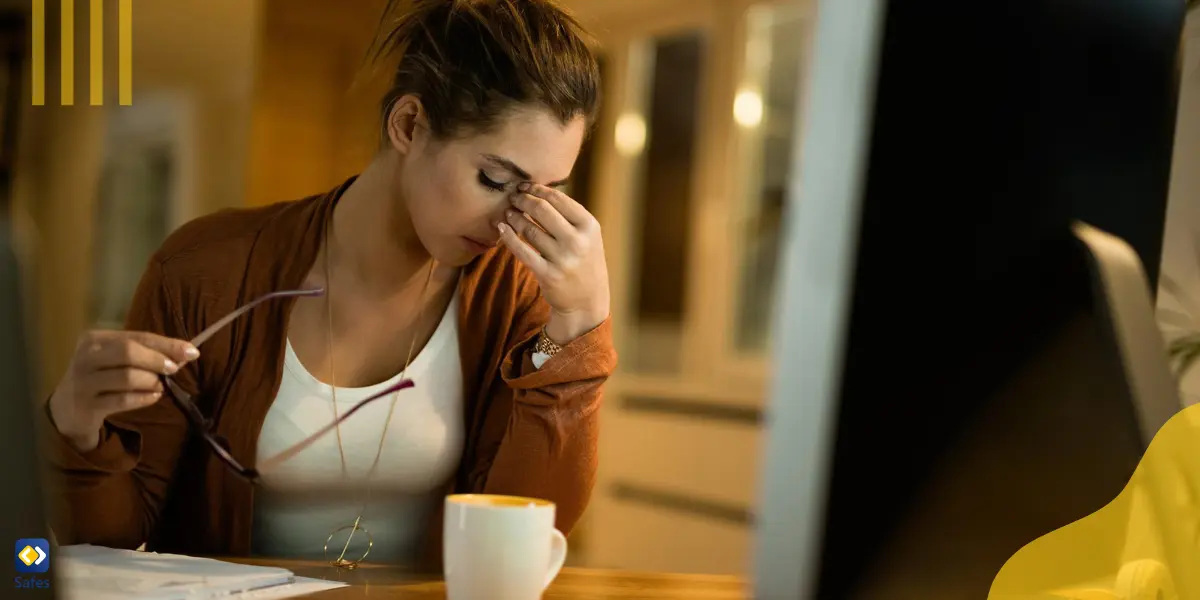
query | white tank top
[303, 500]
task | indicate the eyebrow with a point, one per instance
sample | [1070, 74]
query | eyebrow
[512, 167]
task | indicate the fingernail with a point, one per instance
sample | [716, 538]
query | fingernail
[524, 186]
[512, 214]
[191, 353]
[502, 227]
[170, 367]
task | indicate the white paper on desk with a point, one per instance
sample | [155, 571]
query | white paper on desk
[99, 573]
[302, 586]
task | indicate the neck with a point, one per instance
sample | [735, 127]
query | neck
[373, 240]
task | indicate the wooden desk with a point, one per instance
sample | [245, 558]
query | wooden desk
[392, 583]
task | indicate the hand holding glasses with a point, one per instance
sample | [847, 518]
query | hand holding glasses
[118, 371]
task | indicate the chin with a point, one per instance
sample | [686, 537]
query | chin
[444, 249]
[452, 256]
[456, 260]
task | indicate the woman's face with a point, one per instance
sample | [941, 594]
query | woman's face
[457, 190]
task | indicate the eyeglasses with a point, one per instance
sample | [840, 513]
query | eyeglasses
[218, 443]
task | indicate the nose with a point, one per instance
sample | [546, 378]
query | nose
[492, 237]
[498, 216]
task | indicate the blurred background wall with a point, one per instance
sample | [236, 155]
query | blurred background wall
[193, 70]
[248, 102]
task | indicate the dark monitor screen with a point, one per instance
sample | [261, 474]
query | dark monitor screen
[947, 388]
[983, 401]
[999, 430]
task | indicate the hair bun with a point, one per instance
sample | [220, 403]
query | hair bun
[470, 61]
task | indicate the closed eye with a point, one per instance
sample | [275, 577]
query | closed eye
[488, 182]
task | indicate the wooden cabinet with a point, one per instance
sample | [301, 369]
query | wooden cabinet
[690, 161]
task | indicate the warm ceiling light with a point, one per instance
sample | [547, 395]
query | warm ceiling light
[748, 108]
[630, 135]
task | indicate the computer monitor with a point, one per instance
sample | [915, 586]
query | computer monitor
[21, 503]
[951, 380]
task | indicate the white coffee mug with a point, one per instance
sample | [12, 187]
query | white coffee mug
[500, 547]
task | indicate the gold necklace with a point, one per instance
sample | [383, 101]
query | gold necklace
[341, 561]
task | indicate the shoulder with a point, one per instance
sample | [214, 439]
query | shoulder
[206, 267]
[230, 234]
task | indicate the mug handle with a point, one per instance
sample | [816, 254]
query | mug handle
[558, 555]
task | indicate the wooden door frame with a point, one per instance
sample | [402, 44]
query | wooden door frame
[712, 267]
[626, 43]
[747, 372]
[710, 374]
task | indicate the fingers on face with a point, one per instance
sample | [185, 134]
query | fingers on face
[522, 250]
[545, 243]
[556, 229]
[558, 214]
[545, 214]
[566, 206]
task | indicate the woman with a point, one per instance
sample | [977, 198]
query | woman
[453, 260]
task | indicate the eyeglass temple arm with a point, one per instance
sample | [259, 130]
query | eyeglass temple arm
[268, 463]
[229, 318]
[182, 397]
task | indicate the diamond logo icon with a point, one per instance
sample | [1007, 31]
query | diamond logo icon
[32, 555]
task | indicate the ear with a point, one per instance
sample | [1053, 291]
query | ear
[406, 122]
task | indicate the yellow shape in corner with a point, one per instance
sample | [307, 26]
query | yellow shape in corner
[1152, 527]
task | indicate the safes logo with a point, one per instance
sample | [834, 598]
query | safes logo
[33, 555]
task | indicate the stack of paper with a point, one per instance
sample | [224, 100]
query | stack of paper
[99, 573]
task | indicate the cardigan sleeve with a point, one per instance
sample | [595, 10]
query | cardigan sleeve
[542, 424]
[113, 494]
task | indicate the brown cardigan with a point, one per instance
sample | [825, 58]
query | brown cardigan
[530, 432]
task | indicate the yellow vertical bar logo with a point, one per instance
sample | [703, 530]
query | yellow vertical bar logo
[38, 59]
[95, 52]
[125, 52]
[96, 39]
[67, 27]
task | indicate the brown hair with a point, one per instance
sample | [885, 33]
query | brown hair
[472, 61]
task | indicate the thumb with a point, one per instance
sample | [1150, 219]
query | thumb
[180, 351]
